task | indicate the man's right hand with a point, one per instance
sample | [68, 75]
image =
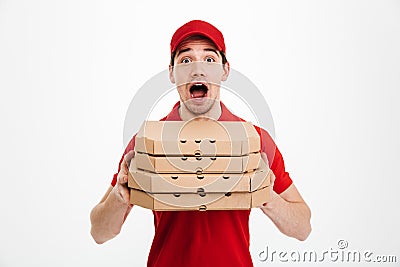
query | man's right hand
[121, 189]
[109, 215]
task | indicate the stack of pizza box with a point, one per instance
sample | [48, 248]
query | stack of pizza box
[201, 164]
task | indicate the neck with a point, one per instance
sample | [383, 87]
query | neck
[214, 113]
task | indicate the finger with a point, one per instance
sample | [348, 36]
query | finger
[125, 193]
[128, 157]
[264, 157]
[272, 178]
[124, 166]
[122, 192]
[121, 178]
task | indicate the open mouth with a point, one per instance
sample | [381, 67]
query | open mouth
[198, 90]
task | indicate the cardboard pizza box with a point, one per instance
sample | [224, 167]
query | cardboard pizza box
[197, 137]
[176, 164]
[260, 196]
[201, 202]
[194, 183]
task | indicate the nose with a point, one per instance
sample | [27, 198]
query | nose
[198, 69]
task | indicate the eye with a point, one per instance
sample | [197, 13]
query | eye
[210, 59]
[185, 60]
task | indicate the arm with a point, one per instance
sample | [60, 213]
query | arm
[108, 216]
[289, 212]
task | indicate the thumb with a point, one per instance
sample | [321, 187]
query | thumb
[264, 158]
[128, 157]
[127, 160]
[272, 178]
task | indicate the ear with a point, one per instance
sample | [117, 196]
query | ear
[227, 69]
[171, 73]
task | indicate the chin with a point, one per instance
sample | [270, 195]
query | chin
[200, 107]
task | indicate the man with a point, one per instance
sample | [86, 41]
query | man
[196, 238]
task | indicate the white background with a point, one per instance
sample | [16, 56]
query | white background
[330, 71]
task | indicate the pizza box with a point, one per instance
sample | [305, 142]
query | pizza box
[195, 183]
[197, 137]
[200, 202]
[207, 164]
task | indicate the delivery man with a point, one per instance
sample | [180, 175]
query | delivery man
[202, 238]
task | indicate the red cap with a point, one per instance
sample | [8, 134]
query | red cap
[198, 27]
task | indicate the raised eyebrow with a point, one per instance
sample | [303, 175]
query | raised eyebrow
[211, 50]
[182, 51]
[188, 49]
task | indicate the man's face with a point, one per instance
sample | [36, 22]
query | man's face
[197, 73]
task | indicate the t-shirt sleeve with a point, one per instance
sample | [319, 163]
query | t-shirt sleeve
[128, 148]
[275, 161]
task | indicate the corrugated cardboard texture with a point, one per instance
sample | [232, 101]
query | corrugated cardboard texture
[212, 201]
[174, 164]
[193, 183]
[197, 138]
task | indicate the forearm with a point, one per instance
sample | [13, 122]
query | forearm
[291, 218]
[108, 217]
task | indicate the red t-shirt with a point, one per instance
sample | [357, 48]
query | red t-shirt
[208, 238]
